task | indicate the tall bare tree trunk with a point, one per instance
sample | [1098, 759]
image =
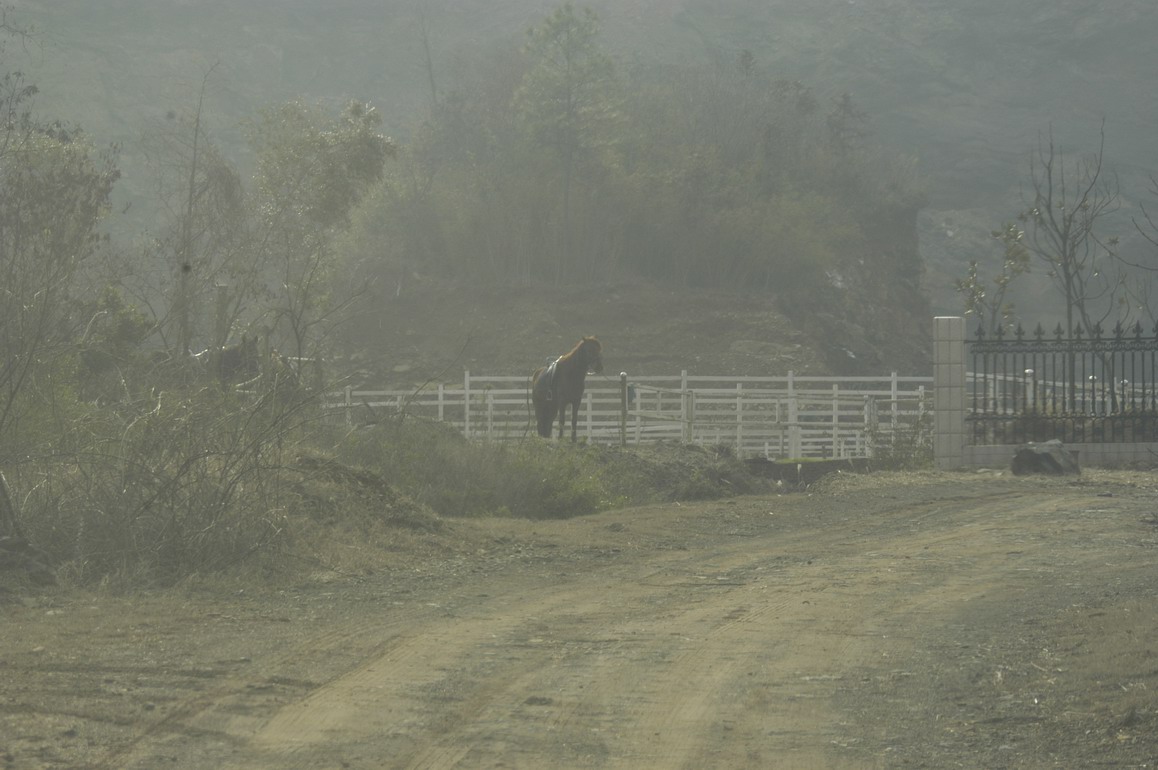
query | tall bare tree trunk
[9, 527]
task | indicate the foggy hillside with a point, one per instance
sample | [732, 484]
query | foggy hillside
[965, 86]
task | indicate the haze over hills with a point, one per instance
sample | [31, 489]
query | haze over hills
[966, 87]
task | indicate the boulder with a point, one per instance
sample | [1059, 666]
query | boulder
[1047, 457]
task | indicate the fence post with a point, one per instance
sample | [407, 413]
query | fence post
[623, 408]
[795, 448]
[739, 419]
[870, 424]
[466, 403]
[896, 394]
[780, 422]
[349, 405]
[837, 450]
[688, 407]
[638, 417]
[441, 403]
[589, 404]
[949, 392]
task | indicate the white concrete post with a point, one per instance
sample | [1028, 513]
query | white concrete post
[795, 442]
[949, 392]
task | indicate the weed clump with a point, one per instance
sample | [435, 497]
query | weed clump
[538, 479]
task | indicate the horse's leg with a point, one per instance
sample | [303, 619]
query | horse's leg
[544, 420]
[562, 418]
[574, 419]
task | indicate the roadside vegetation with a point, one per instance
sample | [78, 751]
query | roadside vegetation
[131, 458]
[210, 483]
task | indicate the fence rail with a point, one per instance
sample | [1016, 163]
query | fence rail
[775, 417]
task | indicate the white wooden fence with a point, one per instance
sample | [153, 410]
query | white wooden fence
[775, 417]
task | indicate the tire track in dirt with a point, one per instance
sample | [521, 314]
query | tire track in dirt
[693, 715]
[669, 712]
[238, 702]
[485, 663]
[722, 656]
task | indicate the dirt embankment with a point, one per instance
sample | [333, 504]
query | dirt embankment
[921, 620]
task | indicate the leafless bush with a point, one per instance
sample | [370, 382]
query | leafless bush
[183, 483]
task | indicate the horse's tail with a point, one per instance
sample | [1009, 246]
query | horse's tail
[544, 405]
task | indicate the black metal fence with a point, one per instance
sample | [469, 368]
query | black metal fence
[1077, 387]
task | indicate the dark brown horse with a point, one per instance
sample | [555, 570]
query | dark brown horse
[555, 386]
[231, 364]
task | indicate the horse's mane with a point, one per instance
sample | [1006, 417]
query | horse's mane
[575, 350]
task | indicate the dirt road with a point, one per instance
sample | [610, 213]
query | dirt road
[928, 620]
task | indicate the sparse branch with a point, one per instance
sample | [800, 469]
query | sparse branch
[185, 247]
[990, 304]
[1064, 215]
[1150, 230]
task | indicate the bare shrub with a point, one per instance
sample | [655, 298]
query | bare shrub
[908, 447]
[158, 490]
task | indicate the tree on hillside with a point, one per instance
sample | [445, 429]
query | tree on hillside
[729, 171]
[471, 194]
[846, 126]
[704, 178]
[567, 99]
[54, 191]
[311, 173]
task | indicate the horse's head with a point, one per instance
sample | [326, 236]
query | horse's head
[592, 352]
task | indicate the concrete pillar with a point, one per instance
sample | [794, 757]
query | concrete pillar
[949, 392]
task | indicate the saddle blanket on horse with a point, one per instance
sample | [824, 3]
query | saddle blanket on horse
[545, 385]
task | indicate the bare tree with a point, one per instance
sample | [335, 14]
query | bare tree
[1066, 208]
[202, 237]
[1150, 230]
